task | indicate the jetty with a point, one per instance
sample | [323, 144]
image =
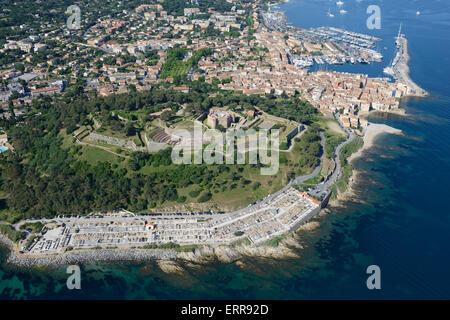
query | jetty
[400, 69]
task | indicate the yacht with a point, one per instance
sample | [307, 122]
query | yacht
[389, 71]
[340, 3]
[343, 11]
[364, 61]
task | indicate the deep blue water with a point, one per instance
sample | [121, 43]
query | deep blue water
[399, 219]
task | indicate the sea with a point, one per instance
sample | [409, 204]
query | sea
[398, 219]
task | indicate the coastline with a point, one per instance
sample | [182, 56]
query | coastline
[372, 132]
[168, 260]
[83, 256]
[396, 112]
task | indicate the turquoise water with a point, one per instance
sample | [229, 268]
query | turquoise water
[398, 220]
[3, 149]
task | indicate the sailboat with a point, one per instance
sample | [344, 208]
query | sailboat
[330, 14]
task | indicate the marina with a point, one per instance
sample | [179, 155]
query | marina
[337, 46]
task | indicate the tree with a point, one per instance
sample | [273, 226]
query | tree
[20, 67]
[166, 115]
[130, 130]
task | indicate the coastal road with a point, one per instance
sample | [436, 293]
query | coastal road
[323, 187]
[337, 171]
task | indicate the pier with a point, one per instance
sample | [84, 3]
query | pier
[400, 69]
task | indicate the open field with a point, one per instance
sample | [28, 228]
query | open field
[93, 152]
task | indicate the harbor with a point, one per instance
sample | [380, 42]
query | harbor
[325, 45]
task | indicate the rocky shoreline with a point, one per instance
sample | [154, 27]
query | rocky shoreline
[167, 259]
[372, 132]
[90, 256]
[83, 256]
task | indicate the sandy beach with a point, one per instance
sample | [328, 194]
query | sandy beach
[370, 135]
